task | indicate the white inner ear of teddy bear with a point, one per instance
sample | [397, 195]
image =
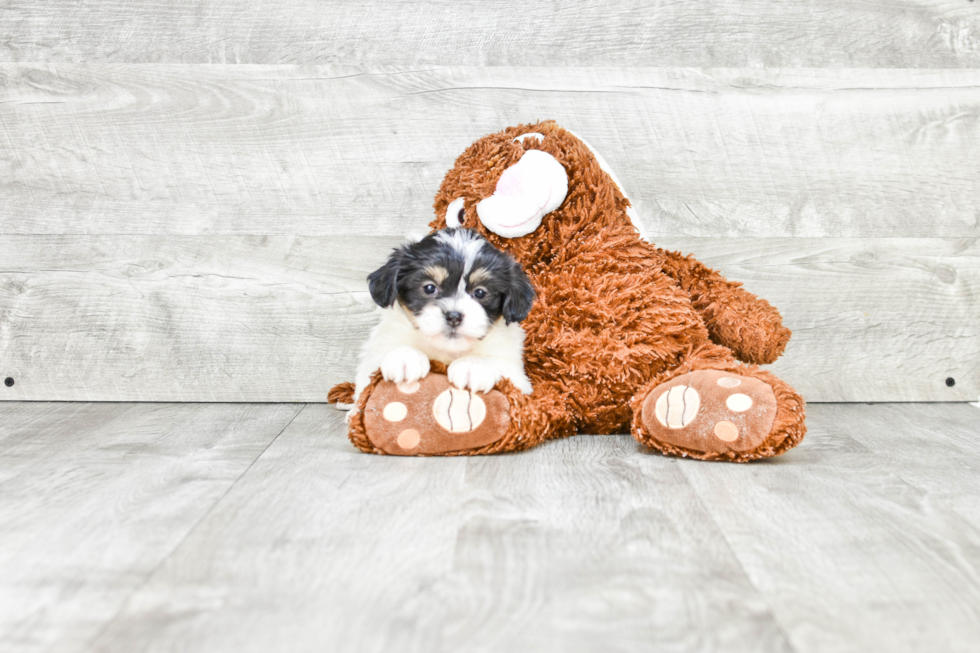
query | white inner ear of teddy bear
[526, 192]
[452, 212]
[520, 139]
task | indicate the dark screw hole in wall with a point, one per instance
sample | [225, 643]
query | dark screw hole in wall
[950, 382]
[9, 381]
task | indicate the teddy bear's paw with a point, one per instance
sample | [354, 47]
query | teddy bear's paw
[710, 412]
[430, 417]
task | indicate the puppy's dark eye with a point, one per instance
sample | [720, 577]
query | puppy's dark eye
[429, 289]
[461, 216]
[479, 293]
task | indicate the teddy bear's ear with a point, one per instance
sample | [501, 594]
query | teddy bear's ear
[526, 192]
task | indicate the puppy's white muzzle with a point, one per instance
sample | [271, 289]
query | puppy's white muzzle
[470, 323]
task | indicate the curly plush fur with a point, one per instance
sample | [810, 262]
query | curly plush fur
[615, 316]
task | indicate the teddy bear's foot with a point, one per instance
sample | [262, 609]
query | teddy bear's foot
[711, 414]
[432, 417]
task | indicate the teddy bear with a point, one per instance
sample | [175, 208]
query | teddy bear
[623, 336]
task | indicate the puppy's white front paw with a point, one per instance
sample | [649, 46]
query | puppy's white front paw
[473, 373]
[404, 364]
[522, 383]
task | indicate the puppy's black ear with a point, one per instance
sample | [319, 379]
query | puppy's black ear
[519, 296]
[383, 282]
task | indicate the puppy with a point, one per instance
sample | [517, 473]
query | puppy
[454, 298]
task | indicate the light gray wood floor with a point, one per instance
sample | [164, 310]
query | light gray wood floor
[258, 527]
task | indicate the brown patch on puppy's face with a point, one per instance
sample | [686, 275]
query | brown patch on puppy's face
[437, 273]
[478, 276]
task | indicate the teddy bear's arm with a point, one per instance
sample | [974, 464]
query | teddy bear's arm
[748, 325]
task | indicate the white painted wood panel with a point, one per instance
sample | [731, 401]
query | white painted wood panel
[154, 149]
[877, 33]
[280, 318]
[857, 544]
[94, 497]
[183, 318]
[876, 319]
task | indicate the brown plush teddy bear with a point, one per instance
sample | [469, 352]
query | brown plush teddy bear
[623, 336]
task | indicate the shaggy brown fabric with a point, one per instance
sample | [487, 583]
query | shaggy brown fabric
[342, 393]
[615, 316]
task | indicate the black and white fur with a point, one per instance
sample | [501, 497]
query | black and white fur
[454, 298]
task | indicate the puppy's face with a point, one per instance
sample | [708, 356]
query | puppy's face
[454, 286]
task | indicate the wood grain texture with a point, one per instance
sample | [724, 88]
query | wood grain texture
[561, 548]
[323, 150]
[913, 33]
[592, 540]
[857, 544]
[862, 538]
[878, 319]
[94, 497]
[148, 527]
[937, 456]
[207, 318]
[320, 549]
[183, 318]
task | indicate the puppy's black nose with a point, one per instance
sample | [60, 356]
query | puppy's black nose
[454, 318]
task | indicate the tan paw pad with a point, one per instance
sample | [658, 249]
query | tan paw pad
[430, 416]
[699, 412]
[459, 411]
[409, 439]
[678, 407]
[726, 431]
[408, 387]
[396, 411]
[738, 403]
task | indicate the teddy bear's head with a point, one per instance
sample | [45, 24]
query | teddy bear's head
[529, 189]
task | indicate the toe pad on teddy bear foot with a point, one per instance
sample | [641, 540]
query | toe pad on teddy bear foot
[432, 417]
[710, 411]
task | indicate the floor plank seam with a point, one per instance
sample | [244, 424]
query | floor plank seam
[149, 576]
[728, 545]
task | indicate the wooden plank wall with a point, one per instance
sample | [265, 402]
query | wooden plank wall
[191, 194]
